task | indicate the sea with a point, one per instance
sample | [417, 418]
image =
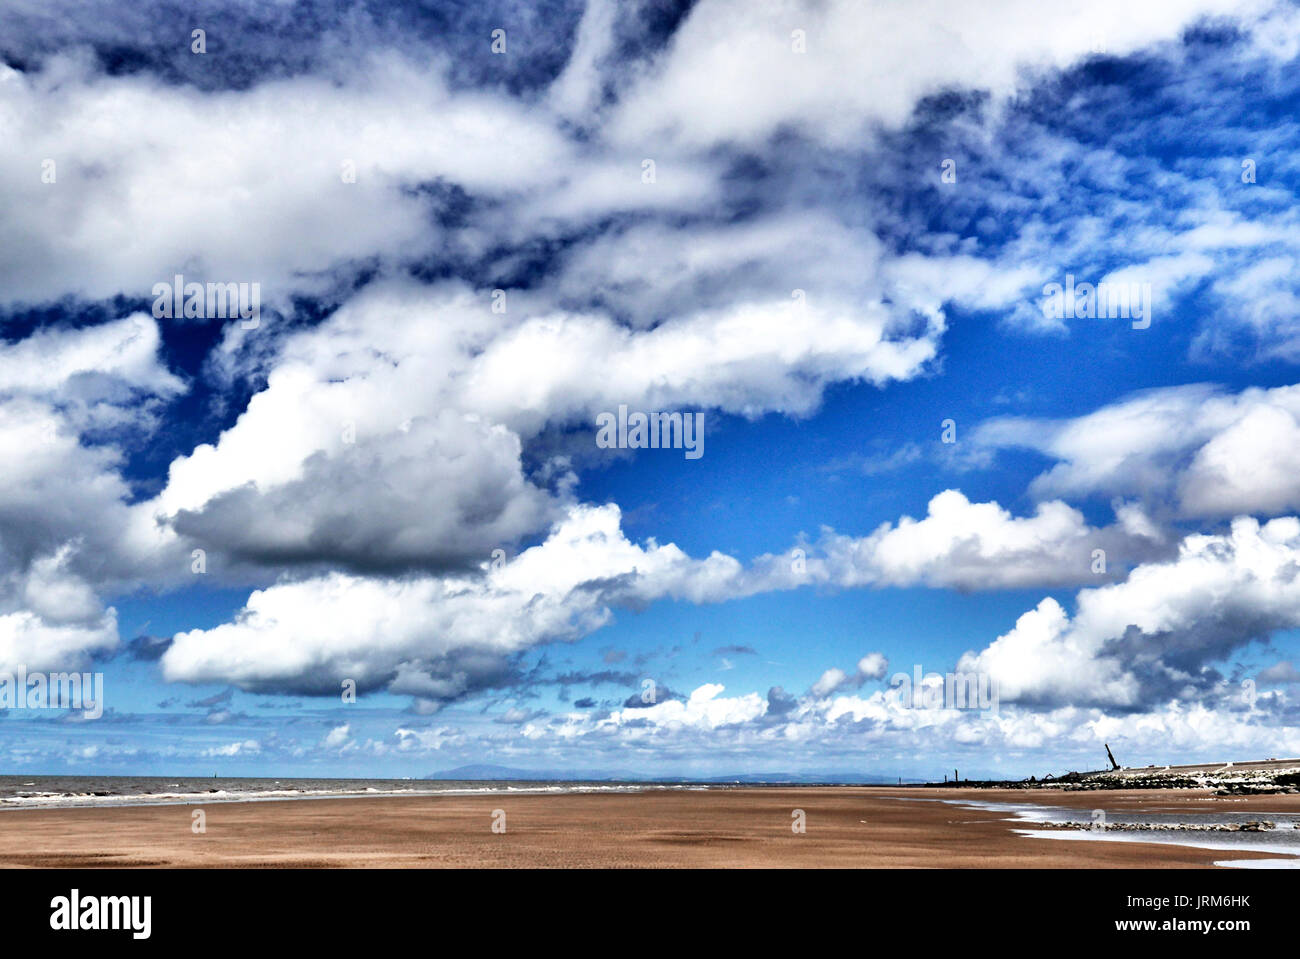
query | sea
[34, 792]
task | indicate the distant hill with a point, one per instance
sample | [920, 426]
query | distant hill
[487, 771]
[490, 772]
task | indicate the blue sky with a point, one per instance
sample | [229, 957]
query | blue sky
[467, 246]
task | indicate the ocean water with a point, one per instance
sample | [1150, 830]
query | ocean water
[34, 792]
[1283, 839]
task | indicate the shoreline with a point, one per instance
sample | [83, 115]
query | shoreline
[747, 827]
[221, 797]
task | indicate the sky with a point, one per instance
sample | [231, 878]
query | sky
[370, 526]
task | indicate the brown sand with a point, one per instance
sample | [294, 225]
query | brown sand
[846, 827]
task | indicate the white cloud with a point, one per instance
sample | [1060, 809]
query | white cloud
[151, 181]
[830, 681]
[30, 642]
[705, 708]
[409, 395]
[1158, 634]
[337, 737]
[437, 638]
[972, 546]
[241, 748]
[67, 531]
[865, 66]
[873, 666]
[576, 93]
[883, 726]
[870, 666]
[49, 362]
[981, 545]
[1214, 454]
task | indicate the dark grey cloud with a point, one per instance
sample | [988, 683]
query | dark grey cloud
[779, 702]
[483, 503]
[662, 695]
[146, 648]
[216, 699]
[249, 42]
[1281, 672]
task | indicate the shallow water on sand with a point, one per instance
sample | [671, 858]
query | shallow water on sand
[1284, 839]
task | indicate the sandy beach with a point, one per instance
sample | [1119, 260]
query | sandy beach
[745, 828]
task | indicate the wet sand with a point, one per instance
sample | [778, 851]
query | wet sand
[745, 828]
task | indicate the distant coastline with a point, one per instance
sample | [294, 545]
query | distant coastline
[1240, 778]
[1255, 777]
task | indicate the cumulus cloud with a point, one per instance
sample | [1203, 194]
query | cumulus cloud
[704, 708]
[760, 83]
[410, 394]
[274, 209]
[971, 546]
[1159, 634]
[337, 737]
[870, 666]
[242, 748]
[462, 268]
[29, 641]
[438, 638]
[68, 531]
[469, 469]
[1212, 453]
[121, 353]
[981, 545]
[831, 680]
[873, 666]
[739, 729]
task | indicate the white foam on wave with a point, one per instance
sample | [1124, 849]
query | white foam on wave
[1292, 863]
[53, 800]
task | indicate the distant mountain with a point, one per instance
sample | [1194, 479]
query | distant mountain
[805, 778]
[490, 772]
